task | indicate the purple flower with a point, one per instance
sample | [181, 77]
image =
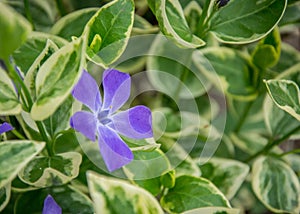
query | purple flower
[5, 127]
[50, 206]
[105, 121]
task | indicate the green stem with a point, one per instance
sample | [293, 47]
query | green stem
[203, 16]
[61, 7]
[183, 77]
[243, 117]
[271, 144]
[294, 151]
[45, 138]
[18, 134]
[28, 13]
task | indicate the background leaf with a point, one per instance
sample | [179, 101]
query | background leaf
[4, 196]
[192, 192]
[114, 195]
[276, 185]
[14, 30]
[242, 21]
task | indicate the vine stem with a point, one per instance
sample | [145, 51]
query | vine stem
[243, 117]
[271, 144]
[28, 13]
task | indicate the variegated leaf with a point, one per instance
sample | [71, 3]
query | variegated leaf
[9, 102]
[276, 185]
[56, 78]
[4, 196]
[111, 195]
[14, 155]
[286, 95]
[51, 171]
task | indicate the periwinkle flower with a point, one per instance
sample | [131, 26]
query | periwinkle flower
[5, 127]
[103, 119]
[50, 206]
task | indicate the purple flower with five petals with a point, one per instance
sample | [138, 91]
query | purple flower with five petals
[50, 206]
[5, 127]
[104, 119]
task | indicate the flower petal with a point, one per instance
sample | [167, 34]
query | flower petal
[87, 91]
[86, 123]
[50, 206]
[134, 123]
[116, 86]
[5, 127]
[114, 150]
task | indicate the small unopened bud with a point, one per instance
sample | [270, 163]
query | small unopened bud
[222, 3]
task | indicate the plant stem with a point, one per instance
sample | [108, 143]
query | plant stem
[271, 144]
[243, 117]
[28, 13]
[45, 138]
[183, 77]
[203, 16]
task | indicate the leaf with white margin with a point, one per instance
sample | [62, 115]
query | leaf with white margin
[31, 74]
[213, 210]
[14, 155]
[173, 24]
[192, 192]
[51, 171]
[276, 185]
[108, 31]
[9, 102]
[4, 196]
[56, 79]
[115, 195]
[228, 175]
[244, 21]
[285, 94]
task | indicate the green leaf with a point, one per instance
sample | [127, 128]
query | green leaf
[51, 171]
[4, 196]
[14, 30]
[213, 210]
[267, 52]
[173, 24]
[276, 185]
[25, 55]
[112, 195]
[70, 199]
[9, 102]
[168, 179]
[244, 21]
[43, 13]
[192, 13]
[228, 175]
[179, 158]
[237, 78]
[56, 78]
[14, 155]
[192, 192]
[73, 24]
[278, 122]
[31, 74]
[285, 94]
[142, 26]
[184, 79]
[112, 23]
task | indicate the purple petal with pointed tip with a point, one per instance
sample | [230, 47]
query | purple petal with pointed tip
[5, 127]
[116, 86]
[50, 206]
[86, 123]
[87, 91]
[114, 150]
[134, 123]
